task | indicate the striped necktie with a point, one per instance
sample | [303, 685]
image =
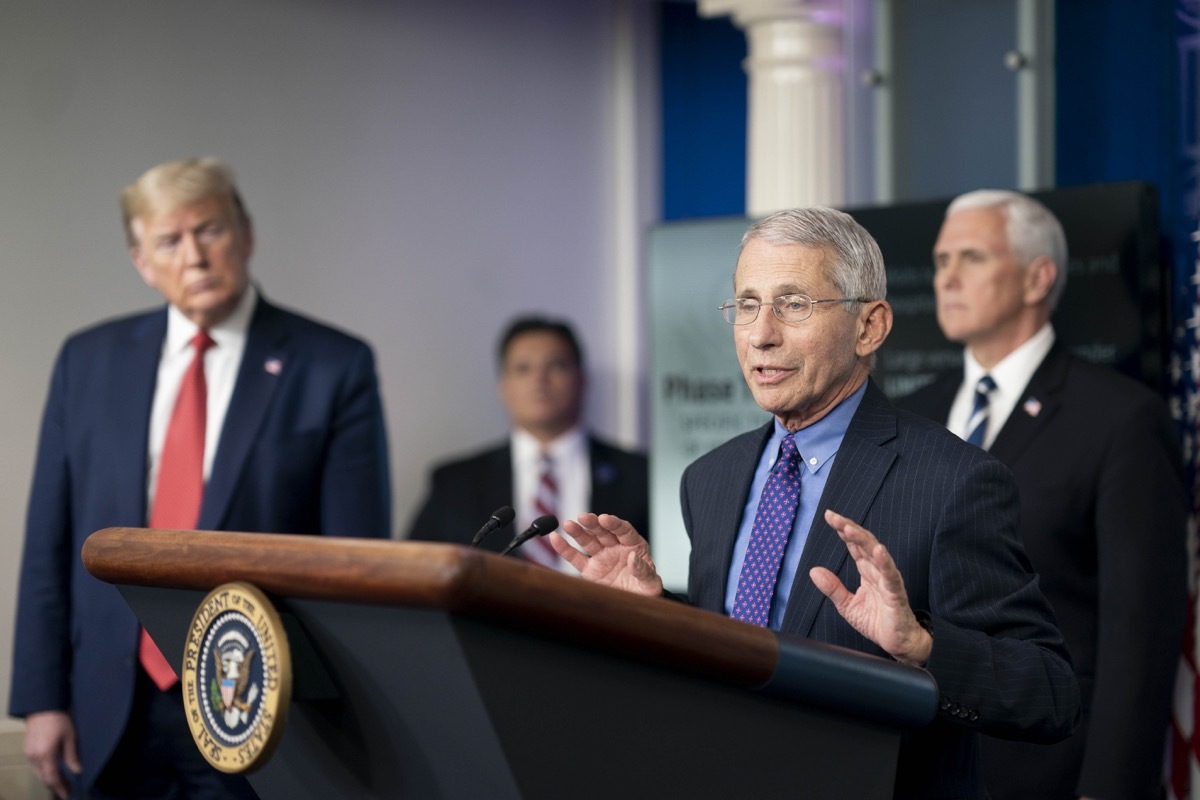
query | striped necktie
[545, 501]
[977, 425]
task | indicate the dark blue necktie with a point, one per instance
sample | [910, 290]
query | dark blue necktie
[768, 538]
[977, 425]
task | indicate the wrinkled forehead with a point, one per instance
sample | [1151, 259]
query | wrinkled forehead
[766, 269]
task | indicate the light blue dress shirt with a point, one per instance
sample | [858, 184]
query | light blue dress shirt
[818, 444]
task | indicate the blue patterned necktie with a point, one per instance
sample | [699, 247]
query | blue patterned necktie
[768, 538]
[977, 424]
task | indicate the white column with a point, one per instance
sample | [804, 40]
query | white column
[1033, 61]
[794, 146]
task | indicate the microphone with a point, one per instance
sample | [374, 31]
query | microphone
[540, 527]
[500, 517]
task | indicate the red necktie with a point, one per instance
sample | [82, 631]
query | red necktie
[180, 484]
[545, 501]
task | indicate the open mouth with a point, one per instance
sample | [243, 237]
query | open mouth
[771, 374]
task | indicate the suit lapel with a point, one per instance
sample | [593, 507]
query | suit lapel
[132, 383]
[859, 469]
[733, 492]
[493, 487]
[265, 362]
[1037, 406]
[716, 509]
[497, 485]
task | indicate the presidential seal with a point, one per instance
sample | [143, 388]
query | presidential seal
[237, 678]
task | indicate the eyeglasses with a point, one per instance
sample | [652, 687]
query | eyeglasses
[790, 308]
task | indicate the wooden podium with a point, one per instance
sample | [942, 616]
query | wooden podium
[434, 671]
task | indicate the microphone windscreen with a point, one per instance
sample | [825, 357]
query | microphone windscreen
[540, 527]
[544, 524]
[499, 518]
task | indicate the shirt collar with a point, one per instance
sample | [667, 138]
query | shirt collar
[1013, 372]
[527, 448]
[820, 441]
[180, 329]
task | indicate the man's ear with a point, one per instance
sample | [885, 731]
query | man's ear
[1039, 279]
[142, 265]
[874, 325]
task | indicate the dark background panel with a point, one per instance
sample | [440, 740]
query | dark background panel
[1114, 308]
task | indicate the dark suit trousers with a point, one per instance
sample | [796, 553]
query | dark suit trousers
[157, 759]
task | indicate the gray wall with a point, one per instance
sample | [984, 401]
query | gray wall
[418, 171]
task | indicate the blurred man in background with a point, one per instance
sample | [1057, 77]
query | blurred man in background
[1103, 510]
[219, 410]
[550, 463]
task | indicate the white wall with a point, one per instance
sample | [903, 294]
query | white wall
[418, 171]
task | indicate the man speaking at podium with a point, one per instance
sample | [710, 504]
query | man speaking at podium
[848, 521]
[218, 411]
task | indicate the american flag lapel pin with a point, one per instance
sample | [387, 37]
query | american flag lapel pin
[274, 366]
[1033, 406]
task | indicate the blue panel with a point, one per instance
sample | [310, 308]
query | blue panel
[1116, 94]
[703, 114]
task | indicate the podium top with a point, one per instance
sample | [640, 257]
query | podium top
[517, 594]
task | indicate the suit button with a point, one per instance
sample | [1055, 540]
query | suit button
[944, 704]
[973, 716]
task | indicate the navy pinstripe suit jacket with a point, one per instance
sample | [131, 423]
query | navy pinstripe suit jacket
[947, 513]
[303, 450]
[1104, 519]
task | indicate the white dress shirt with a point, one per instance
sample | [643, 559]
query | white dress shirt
[221, 364]
[1012, 374]
[572, 471]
